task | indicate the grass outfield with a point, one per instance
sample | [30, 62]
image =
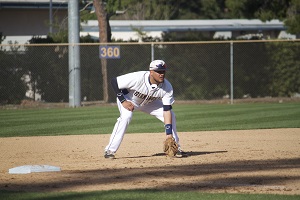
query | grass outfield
[100, 120]
[141, 195]
[192, 117]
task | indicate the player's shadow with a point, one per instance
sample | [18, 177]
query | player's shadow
[194, 153]
[191, 153]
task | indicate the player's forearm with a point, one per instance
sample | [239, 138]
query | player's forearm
[168, 117]
[168, 122]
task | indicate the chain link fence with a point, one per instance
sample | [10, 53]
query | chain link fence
[197, 70]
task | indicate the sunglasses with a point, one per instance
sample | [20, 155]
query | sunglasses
[160, 72]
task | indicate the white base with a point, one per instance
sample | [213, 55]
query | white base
[26, 169]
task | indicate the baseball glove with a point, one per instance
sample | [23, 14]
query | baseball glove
[170, 147]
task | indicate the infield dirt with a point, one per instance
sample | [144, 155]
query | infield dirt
[240, 161]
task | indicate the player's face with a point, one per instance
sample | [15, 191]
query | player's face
[158, 76]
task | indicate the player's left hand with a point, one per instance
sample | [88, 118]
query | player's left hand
[170, 147]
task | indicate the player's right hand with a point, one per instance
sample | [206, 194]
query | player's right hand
[128, 105]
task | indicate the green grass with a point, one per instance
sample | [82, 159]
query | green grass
[140, 195]
[100, 120]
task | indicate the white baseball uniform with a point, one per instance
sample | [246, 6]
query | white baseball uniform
[146, 98]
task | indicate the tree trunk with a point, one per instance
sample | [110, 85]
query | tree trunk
[103, 36]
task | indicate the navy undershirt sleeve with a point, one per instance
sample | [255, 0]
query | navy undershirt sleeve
[167, 107]
[114, 84]
[118, 91]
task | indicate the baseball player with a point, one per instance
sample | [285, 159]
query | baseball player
[146, 91]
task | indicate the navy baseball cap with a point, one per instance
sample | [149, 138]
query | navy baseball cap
[158, 65]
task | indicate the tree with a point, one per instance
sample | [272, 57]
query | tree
[105, 37]
[210, 9]
[168, 9]
[1, 38]
[47, 74]
[12, 86]
[61, 35]
[284, 68]
[293, 17]
[286, 10]
[146, 10]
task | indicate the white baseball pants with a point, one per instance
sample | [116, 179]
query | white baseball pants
[154, 108]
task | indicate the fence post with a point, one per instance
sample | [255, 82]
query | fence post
[152, 51]
[231, 72]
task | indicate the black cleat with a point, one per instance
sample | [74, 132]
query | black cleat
[109, 154]
[181, 154]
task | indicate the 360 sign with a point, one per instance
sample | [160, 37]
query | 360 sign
[110, 52]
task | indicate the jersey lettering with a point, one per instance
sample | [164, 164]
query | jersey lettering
[145, 97]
